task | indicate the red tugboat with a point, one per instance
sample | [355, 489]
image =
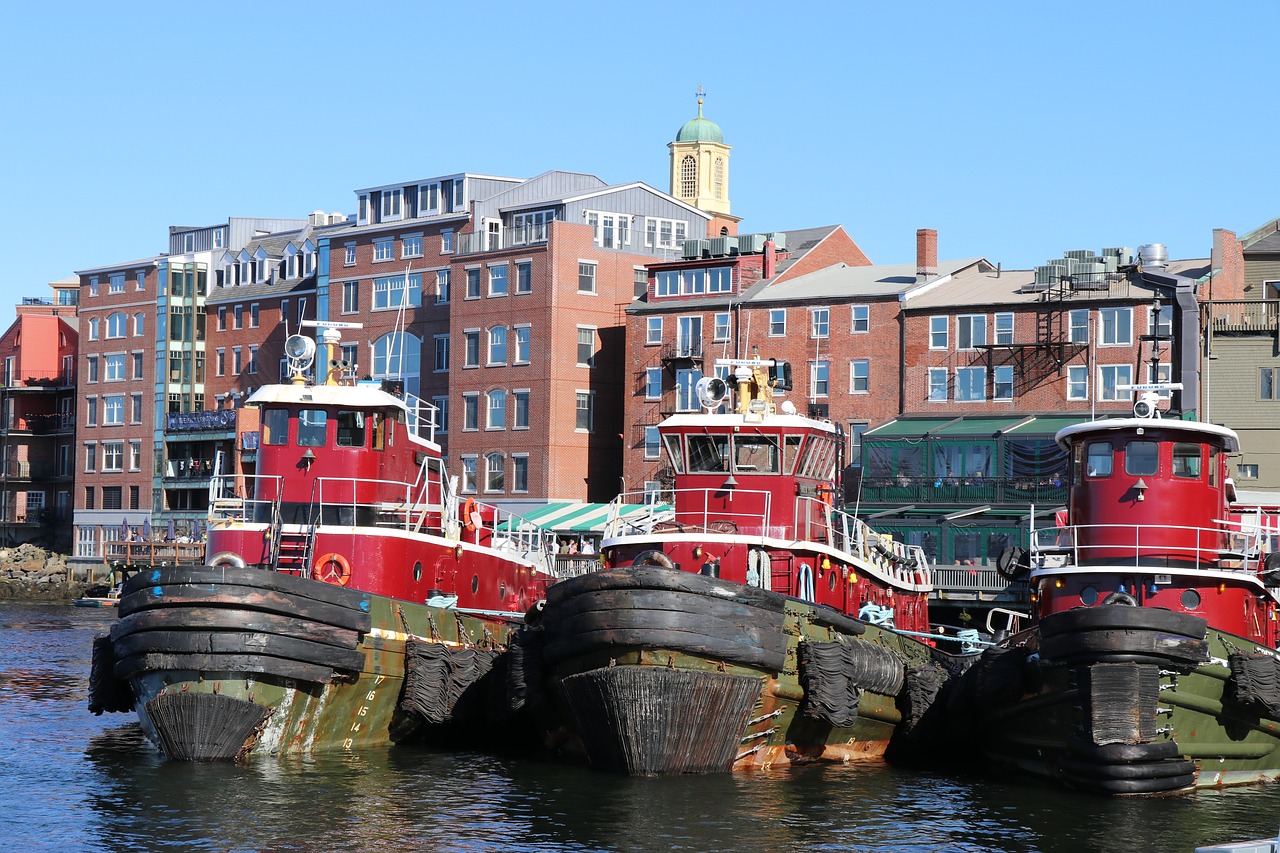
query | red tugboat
[351, 598]
[751, 623]
[1151, 664]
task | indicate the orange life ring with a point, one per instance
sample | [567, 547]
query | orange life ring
[332, 568]
[468, 509]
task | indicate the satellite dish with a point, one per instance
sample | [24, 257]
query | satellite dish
[711, 391]
[1148, 405]
[300, 350]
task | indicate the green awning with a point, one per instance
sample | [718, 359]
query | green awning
[576, 516]
[906, 428]
[972, 427]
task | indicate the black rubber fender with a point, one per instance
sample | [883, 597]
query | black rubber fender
[1131, 786]
[1116, 753]
[1139, 770]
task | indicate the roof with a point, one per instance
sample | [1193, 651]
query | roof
[842, 281]
[973, 426]
[1230, 441]
[699, 129]
[141, 262]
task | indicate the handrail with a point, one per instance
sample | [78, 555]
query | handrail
[1080, 542]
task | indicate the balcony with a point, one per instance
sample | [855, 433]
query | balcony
[24, 470]
[963, 490]
[62, 381]
[52, 424]
[222, 420]
[683, 349]
[1258, 315]
[495, 241]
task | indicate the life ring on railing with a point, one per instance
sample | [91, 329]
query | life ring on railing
[468, 510]
[227, 558]
[332, 568]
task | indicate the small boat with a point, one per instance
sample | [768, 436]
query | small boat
[749, 623]
[1151, 665]
[352, 597]
[110, 597]
[1260, 845]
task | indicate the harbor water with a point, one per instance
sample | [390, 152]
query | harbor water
[70, 781]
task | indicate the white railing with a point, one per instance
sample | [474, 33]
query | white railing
[1137, 545]
[751, 520]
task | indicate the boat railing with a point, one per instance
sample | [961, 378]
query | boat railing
[744, 511]
[501, 528]
[157, 553]
[233, 498]
[422, 418]
[1144, 545]
[907, 564]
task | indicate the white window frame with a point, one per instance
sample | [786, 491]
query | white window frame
[721, 326]
[1003, 327]
[591, 358]
[588, 396]
[1122, 317]
[860, 319]
[777, 322]
[939, 332]
[819, 323]
[967, 339]
[1119, 374]
[819, 388]
[384, 249]
[1077, 382]
[996, 382]
[860, 373]
[411, 245]
[966, 388]
[1078, 326]
[653, 331]
[523, 343]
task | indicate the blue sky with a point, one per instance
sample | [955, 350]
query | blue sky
[1017, 130]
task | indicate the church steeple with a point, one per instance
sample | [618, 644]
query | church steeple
[700, 164]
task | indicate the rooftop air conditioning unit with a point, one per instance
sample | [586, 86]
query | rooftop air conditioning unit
[1122, 254]
[750, 244]
[779, 239]
[1090, 276]
[1048, 274]
[695, 248]
[1080, 254]
[721, 246]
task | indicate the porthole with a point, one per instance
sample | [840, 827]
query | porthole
[475, 584]
[1089, 596]
[831, 581]
[417, 571]
[1190, 599]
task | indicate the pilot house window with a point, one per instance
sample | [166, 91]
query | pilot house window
[275, 426]
[1142, 457]
[350, 429]
[311, 426]
[1099, 459]
[1186, 461]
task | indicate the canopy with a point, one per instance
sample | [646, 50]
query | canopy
[577, 517]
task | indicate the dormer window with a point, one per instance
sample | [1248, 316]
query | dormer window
[429, 199]
[391, 204]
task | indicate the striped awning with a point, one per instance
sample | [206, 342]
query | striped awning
[576, 516]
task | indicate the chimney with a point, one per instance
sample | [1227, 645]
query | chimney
[770, 260]
[926, 254]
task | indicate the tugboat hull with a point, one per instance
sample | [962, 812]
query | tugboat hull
[224, 662]
[1128, 700]
[665, 672]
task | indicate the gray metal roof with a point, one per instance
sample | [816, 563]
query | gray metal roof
[127, 265]
[263, 290]
[842, 282]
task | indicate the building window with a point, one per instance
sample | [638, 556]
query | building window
[1003, 377]
[115, 283]
[391, 200]
[861, 320]
[524, 277]
[222, 318]
[777, 322]
[397, 290]
[859, 376]
[720, 332]
[253, 315]
[91, 411]
[498, 280]
[1110, 378]
[821, 322]
[135, 456]
[135, 417]
[220, 362]
[689, 337]
[137, 365]
[112, 457]
[469, 474]
[140, 277]
[818, 378]
[652, 443]
[520, 401]
[494, 469]
[470, 411]
[411, 246]
[971, 331]
[585, 404]
[586, 277]
[471, 341]
[720, 280]
[93, 328]
[349, 254]
[1077, 382]
[1161, 374]
[350, 297]
[653, 331]
[1247, 471]
[91, 368]
[93, 285]
[971, 384]
[113, 410]
[664, 233]
[1079, 320]
[1004, 328]
[383, 249]
[666, 283]
[1163, 323]
[531, 227]
[90, 458]
[112, 497]
[653, 383]
[1267, 383]
[938, 333]
[523, 337]
[115, 367]
[446, 241]
[442, 414]
[686, 385]
[442, 287]
[117, 325]
[519, 472]
[473, 282]
[1115, 326]
[609, 230]
[253, 359]
[498, 345]
[497, 410]
[586, 346]
[235, 361]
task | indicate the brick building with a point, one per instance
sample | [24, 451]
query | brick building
[37, 419]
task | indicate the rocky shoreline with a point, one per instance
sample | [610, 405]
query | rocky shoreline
[28, 573]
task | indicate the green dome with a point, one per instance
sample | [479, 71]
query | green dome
[700, 129]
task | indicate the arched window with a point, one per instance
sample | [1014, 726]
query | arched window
[498, 345]
[718, 177]
[116, 325]
[397, 355]
[494, 472]
[688, 177]
[93, 328]
[497, 417]
[139, 323]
